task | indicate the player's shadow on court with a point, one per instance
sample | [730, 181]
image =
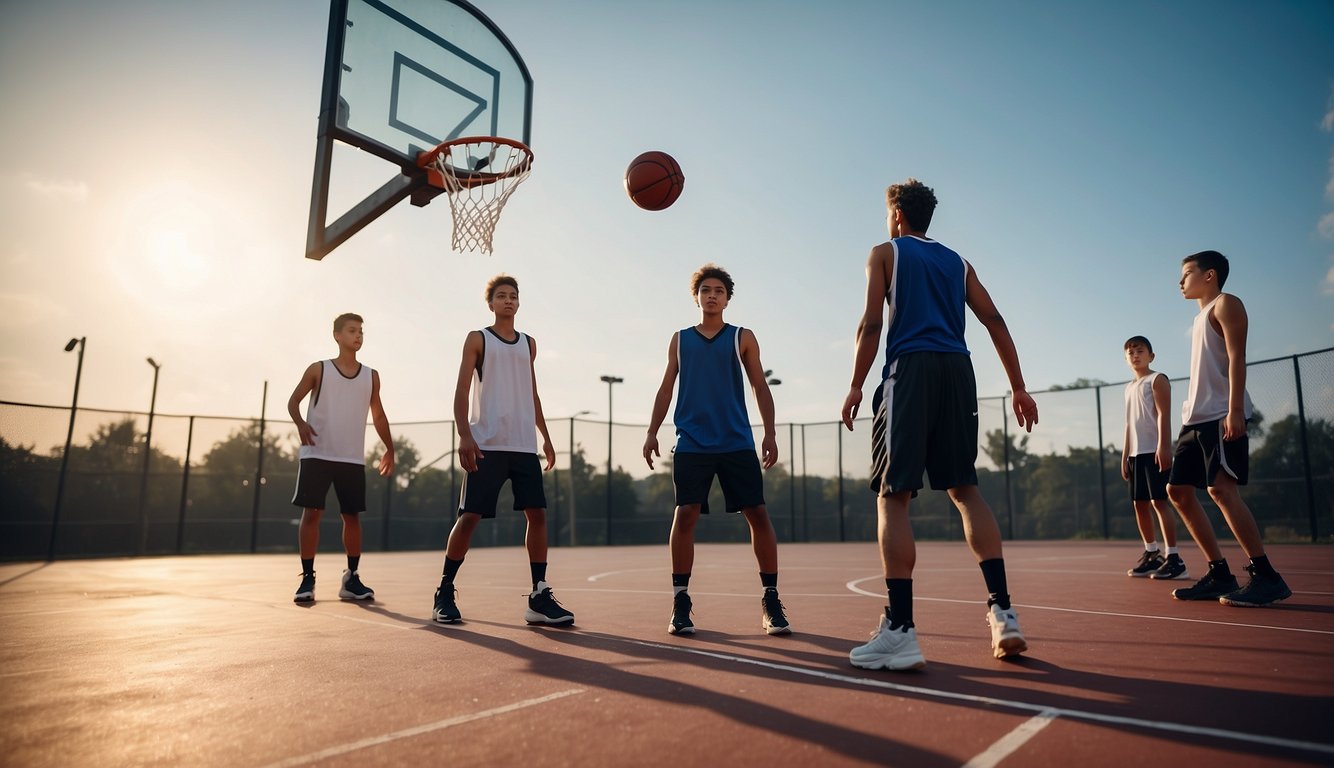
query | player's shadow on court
[750, 713]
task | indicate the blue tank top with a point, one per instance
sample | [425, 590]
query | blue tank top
[711, 397]
[926, 300]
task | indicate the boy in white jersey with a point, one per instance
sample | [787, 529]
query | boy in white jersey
[498, 443]
[333, 436]
[713, 438]
[926, 416]
[1212, 449]
[1146, 458]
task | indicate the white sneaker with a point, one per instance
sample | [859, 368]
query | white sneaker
[1006, 639]
[889, 649]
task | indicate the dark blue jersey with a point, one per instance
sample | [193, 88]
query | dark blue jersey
[711, 397]
[926, 300]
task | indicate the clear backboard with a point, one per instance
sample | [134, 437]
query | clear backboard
[400, 78]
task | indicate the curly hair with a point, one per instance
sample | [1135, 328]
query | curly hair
[711, 270]
[915, 199]
[496, 282]
[1207, 260]
[345, 318]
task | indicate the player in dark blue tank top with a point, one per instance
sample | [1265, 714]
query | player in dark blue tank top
[926, 416]
[714, 438]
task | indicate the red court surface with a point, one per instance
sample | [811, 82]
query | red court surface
[206, 661]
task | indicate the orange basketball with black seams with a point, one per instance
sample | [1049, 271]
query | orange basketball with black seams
[654, 180]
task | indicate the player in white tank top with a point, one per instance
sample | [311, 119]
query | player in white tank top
[503, 417]
[1207, 396]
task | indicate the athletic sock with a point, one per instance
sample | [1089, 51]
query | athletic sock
[539, 573]
[769, 580]
[680, 582]
[1262, 566]
[352, 562]
[451, 568]
[1152, 546]
[1219, 568]
[993, 573]
[900, 602]
[307, 565]
[1170, 551]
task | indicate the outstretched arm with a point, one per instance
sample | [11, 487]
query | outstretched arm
[309, 381]
[660, 403]
[381, 423]
[1025, 408]
[879, 273]
[548, 450]
[764, 399]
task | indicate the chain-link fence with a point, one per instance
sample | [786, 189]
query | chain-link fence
[210, 484]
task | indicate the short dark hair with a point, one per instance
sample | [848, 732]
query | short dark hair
[1139, 340]
[496, 282]
[711, 270]
[345, 318]
[915, 199]
[1207, 260]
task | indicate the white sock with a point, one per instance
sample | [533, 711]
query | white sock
[541, 585]
[678, 590]
[1171, 550]
[1151, 547]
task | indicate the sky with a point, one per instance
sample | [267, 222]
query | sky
[157, 160]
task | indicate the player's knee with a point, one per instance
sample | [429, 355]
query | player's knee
[536, 515]
[1180, 495]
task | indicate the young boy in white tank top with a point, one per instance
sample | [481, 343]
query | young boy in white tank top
[1146, 458]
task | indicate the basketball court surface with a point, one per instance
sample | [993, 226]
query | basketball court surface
[207, 661]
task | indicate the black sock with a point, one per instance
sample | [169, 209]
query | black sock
[451, 568]
[539, 573]
[1262, 566]
[769, 580]
[307, 565]
[352, 562]
[1219, 569]
[900, 602]
[680, 581]
[993, 573]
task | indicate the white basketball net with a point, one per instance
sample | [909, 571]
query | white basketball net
[479, 176]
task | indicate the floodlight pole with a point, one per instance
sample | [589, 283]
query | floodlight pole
[610, 381]
[80, 342]
[148, 455]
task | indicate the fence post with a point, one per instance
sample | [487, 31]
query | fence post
[1005, 455]
[1306, 450]
[259, 474]
[838, 433]
[1102, 469]
[805, 499]
[792, 481]
[185, 488]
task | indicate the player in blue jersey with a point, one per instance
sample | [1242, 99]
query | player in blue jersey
[926, 415]
[714, 438]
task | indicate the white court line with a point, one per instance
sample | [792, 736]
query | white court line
[852, 586]
[1012, 741]
[1053, 712]
[373, 741]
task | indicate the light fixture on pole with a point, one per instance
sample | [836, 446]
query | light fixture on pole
[148, 455]
[80, 342]
[610, 381]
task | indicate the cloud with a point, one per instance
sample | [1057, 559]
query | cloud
[1328, 287]
[1326, 226]
[57, 189]
[1327, 124]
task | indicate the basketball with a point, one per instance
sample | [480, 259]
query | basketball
[654, 181]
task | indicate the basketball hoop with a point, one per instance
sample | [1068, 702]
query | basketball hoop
[478, 173]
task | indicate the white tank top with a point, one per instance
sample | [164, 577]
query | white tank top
[1206, 400]
[503, 417]
[337, 412]
[1142, 416]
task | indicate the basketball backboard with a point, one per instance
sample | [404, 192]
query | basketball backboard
[400, 77]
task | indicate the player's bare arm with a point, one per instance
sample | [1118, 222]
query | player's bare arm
[548, 449]
[309, 381]
[1162, 400]
[764, 399]
[472, 352]
[381, 423]
[1233, 324]
[1125, 453]
[979, 301]
[660, 403]
[879, 274]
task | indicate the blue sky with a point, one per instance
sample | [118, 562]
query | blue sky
[157, 160]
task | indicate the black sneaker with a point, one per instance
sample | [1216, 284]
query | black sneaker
[774, 622]
[1148, 563]
[1258, 592]
[306, 592]
[445, 612]
[681, 623]
[1211, 587]
[544, 609]
[1173, 568]
[353, 589]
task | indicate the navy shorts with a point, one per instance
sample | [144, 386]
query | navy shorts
[1147, 482]
[1201, 452]
[314, 476]
[481, 489]
[738, 473]
[925, 421]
